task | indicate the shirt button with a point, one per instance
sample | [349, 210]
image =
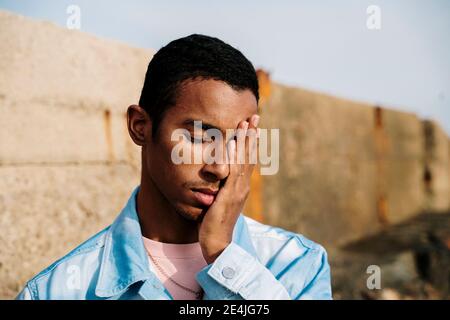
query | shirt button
[228, 272]
[156, 286]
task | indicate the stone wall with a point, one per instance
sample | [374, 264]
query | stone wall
[348, 169]
[67, 164]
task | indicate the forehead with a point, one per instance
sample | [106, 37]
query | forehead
[213, 102]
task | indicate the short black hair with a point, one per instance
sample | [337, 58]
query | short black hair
[193, 57]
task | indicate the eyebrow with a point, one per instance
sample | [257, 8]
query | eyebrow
[205, 126]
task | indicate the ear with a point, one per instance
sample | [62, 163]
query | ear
[139, 125]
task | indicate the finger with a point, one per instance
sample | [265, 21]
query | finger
[231, 154]
[254, 121]
[251, 139]
[241, 142]
[253, 129]
[228, 188]
[252, 145]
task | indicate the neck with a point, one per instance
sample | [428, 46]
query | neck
[158, 219]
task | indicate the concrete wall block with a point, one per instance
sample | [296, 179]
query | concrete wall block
[349, 167]
[327, 166]
[47, 211]
[437, 185]
[401, 167]
[67, 66]
[46, 134]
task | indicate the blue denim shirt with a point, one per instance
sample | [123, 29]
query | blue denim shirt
[262, 262]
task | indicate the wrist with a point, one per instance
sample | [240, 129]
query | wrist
[212, 252]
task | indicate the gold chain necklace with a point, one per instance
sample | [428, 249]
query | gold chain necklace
[198, 294]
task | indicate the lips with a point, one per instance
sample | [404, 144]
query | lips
[205, 196]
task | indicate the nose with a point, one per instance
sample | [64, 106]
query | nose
[215, 171]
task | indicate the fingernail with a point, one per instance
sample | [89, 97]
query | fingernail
[245, 125]
[255, 121]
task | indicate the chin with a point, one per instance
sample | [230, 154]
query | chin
[191, 213]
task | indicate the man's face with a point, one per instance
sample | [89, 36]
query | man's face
[214, 103]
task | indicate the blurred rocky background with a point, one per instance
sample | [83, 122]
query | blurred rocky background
[369, 183]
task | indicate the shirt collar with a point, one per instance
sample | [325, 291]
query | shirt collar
[125, 261]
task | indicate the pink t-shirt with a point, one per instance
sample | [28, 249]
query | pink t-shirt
[180, 262]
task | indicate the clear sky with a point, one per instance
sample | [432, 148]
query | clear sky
[323, 45]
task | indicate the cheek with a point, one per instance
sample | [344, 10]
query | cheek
[165, 172]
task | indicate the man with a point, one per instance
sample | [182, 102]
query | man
[182, 235]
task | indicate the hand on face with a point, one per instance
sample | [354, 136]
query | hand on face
[216, 228]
